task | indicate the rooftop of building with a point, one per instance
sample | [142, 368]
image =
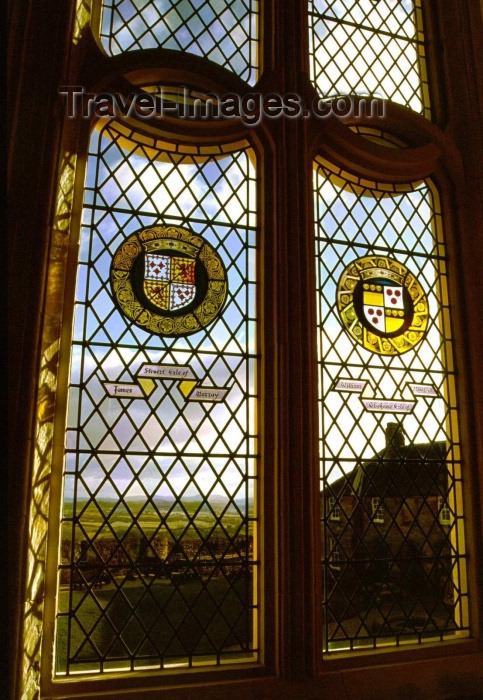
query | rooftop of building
[398, 470]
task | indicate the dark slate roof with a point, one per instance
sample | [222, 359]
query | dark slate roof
[407, 470]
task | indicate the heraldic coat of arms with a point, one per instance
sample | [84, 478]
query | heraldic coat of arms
[382, 305]
[168, 280]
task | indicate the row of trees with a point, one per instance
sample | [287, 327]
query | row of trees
[98, 561]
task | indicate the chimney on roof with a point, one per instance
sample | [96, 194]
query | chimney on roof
[395, 435]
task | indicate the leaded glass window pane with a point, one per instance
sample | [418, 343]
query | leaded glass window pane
[369, 48]
[389, 443]
[225, 31]
[158, 545]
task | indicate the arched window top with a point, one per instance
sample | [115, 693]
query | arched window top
[369, 48]
[224, 31]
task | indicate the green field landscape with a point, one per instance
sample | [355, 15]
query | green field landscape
[160, 515]
[155, 581]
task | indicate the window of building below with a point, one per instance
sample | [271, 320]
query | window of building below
[334, 512]
[377, 510]
[444, 511]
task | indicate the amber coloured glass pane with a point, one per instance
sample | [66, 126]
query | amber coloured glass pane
[394, 557]
[158, 551]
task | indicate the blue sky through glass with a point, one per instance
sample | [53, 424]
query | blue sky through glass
[224, 31]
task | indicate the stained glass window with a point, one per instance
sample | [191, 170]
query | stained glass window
[158, 544]
[369, 48]
[197, 401]
[225, 31]
[389, 442]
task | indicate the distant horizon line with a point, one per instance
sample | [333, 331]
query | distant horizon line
[227, 499]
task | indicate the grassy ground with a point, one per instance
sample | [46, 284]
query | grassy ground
[164, 621]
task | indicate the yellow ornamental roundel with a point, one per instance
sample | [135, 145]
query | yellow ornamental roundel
[382, 305]
[168, 281]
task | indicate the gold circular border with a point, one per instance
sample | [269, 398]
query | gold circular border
[196, 320]
[391, 269]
